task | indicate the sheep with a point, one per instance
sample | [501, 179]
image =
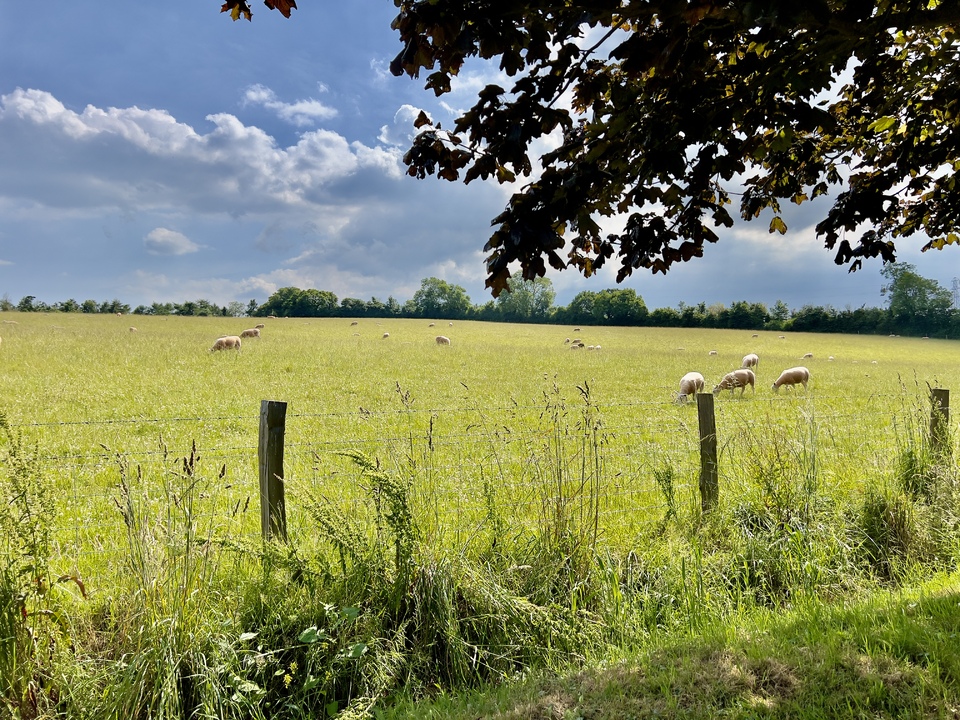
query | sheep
[450, 324]
[807, 355]
[567, 341]
[830, 358]
[576, 346]
[443, 340]
[228, 342]
[431, 325]
[252, 332]
[750, 361]
[736, 379]
[259, 326]
[133, 329]
[354, 323]
[598, 347]
[690, 384]
[781, 337]
[755, 335]
[577, 330]
[386, 335]
[793, 376]
[713, 352]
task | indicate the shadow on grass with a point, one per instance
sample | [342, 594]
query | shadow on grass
[892, 657]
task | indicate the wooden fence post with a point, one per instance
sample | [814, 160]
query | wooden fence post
[709, 476]
[273, 513]
[939, 420]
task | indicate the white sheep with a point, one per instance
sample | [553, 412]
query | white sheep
[431, 325]
[736, 379]
[567, 341]
[712, 352]
[252, 332]
[690, 384]
[386, 335]
[443, 340]
[807, 355]
[354, 323]
[750, 361]
[259, 326]
[133, 329]
[793, 376]
[228, 342]
[755, 335]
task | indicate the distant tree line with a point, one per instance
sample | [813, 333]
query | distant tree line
[915, 306]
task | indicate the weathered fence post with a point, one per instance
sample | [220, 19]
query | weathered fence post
[709, 476]
[273, 513]
[939, 420]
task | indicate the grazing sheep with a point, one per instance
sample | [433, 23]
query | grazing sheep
[781, 337]
[577, 330]
[386, 335]
[793, 376]
[807, 355]
[450, 324]
[431, 325]
[567, 341]
[229, 342]
[590, 347]
[576, 346]
[252, 332]
[259, 326]
[830, 358]
[712, 352]
[133, 329]
[598, 347]
[755, 335]
[354, 323]
[443, 340]
[750, 361]
[690, 384]
[736, 379]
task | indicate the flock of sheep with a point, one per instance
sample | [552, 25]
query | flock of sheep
[693, 382]
[233, 342]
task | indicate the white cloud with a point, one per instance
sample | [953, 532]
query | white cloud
[301, 113]
[402, 132]
[162, 241]
[5, 262]
[135, 160]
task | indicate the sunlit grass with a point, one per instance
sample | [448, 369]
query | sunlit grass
[553, 492]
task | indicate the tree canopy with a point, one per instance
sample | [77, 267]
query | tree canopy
[669, 112]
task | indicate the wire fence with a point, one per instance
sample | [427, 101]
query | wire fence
[476, 474]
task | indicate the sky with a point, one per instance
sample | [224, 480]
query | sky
[160, 152]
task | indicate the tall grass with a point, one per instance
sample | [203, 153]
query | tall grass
[459, 516]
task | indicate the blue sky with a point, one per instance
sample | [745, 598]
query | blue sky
[160, 152]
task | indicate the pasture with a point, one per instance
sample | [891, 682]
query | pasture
[504, 415]
[457, 514]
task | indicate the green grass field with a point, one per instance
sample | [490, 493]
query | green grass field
[516, 452]
[487, 404]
